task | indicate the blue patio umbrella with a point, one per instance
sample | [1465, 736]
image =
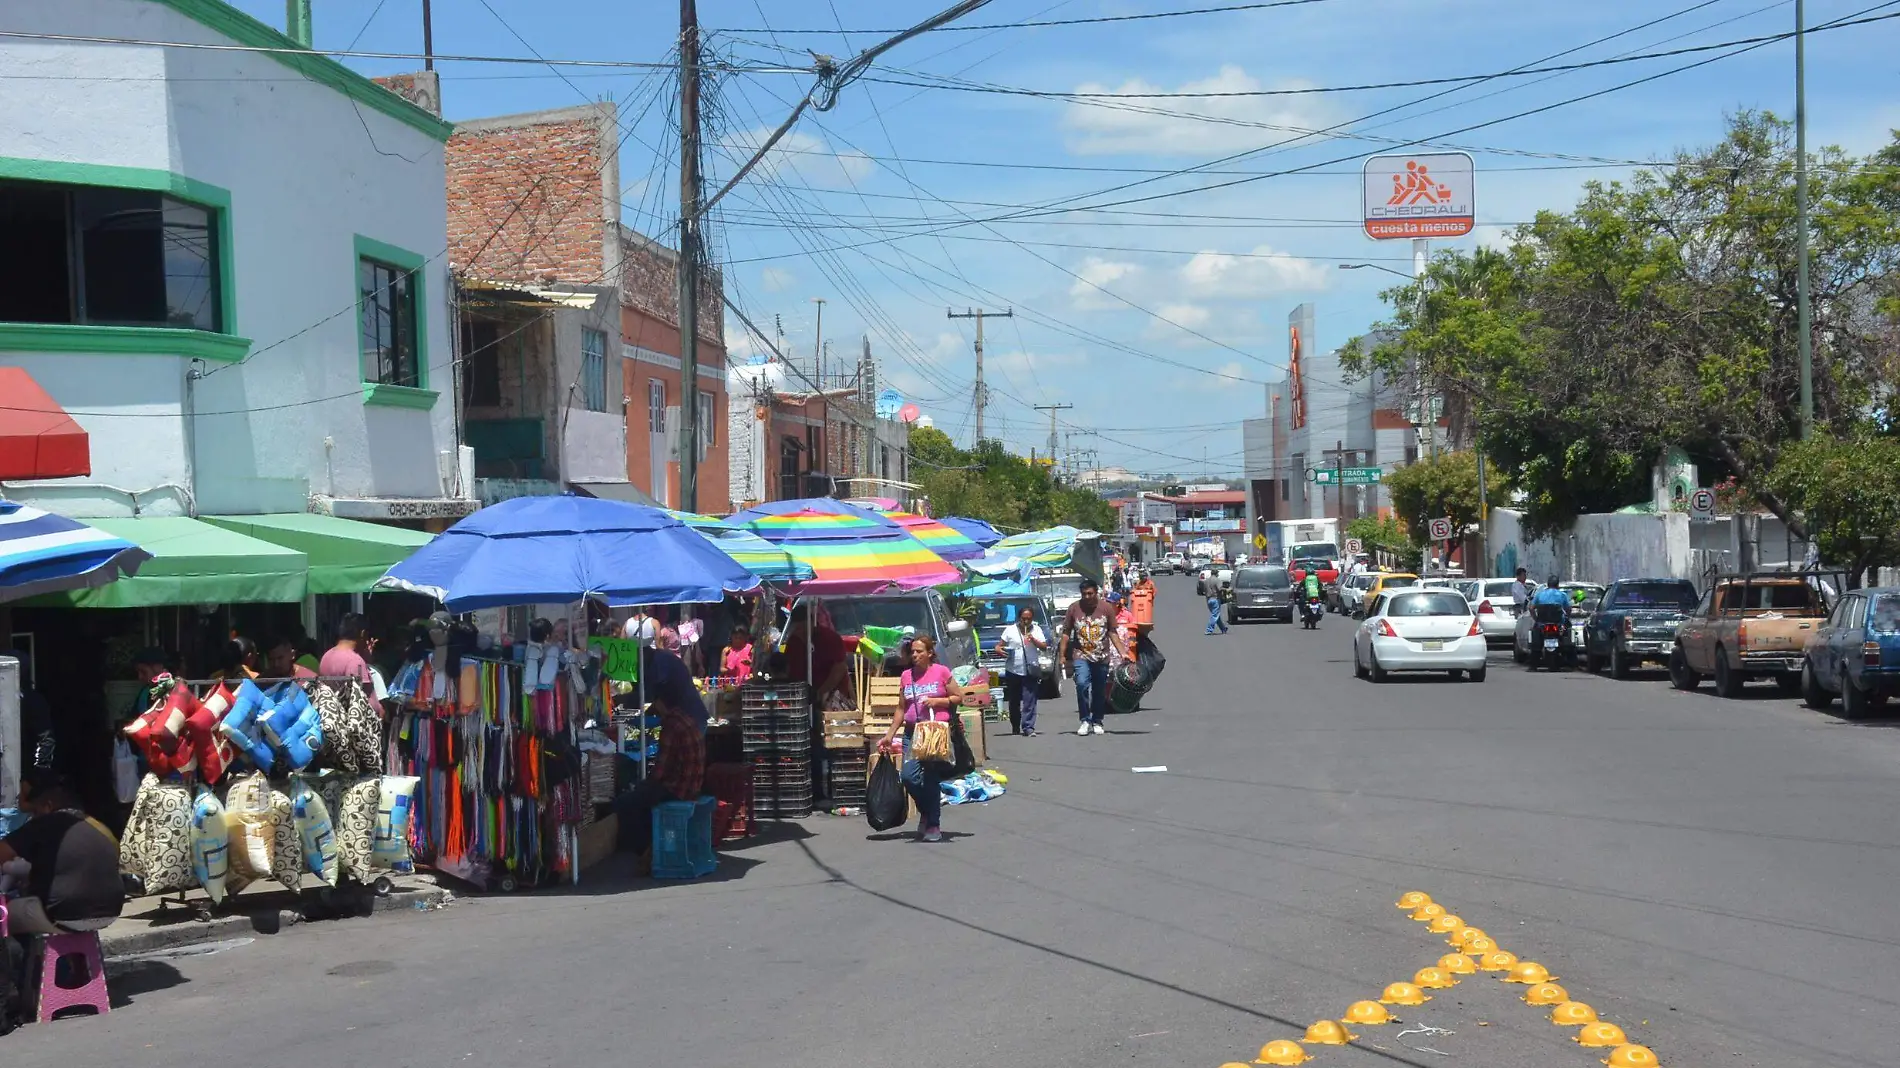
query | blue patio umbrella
[553, 550]
[974, 529]
[44, 553]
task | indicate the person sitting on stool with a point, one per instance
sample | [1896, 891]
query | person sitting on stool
[677, 772]
[73, 883]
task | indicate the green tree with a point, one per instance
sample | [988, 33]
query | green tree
[1384, 533]
[1660, 312]
[1443, 486]
[1847, 490]
[995, 485]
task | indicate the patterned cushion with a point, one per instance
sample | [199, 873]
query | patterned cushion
[157, 842]
[352, 806]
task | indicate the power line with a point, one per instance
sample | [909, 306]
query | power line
[1095, 20]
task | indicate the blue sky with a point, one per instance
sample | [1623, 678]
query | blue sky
[1157, 320]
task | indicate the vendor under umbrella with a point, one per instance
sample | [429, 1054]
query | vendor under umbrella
[827, 659]
[677, 772]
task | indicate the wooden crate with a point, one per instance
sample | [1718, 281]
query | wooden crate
[597, 840]
[843, 729]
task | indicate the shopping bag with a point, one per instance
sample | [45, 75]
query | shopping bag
[930, 741]
[885, 805]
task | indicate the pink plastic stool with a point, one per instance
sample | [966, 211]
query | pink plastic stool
[54, 998]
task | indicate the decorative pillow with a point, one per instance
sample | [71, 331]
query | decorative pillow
[210, 844]
[352, 807]
[156, 845]
[247, 812]
[288, 703]
[314, 834]
[363, 733]
[304, 739]
[286, 849]
[396, 797]
[242, 726]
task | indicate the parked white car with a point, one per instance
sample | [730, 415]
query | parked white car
[1419, 629]
[1497, 616]
[1352, 591]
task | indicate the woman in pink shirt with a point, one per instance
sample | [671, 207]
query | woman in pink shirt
[737, 660]
[929, 693]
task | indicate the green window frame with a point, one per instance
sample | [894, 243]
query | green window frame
[223, 345]
[392, 324]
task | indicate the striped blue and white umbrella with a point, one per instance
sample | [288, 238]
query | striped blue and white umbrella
[44, 553]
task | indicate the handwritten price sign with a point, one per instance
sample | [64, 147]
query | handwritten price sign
[619, 658]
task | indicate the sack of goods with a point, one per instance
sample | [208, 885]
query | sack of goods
[1130, 674]
[885, 803]
[1150, 658]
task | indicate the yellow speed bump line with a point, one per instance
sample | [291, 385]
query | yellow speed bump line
[1282, 1051]
[1631, 1056]
[1446, 924]
[1498, 960]
[1546, 994]
[1458, 964]
[1412, 899]
[1435, 979]
[1368, 1012]
[1602, 1034]
[1404, 994]
[1480, 945]
[1427, 912]
[1463, 936]
[1328, 1033]
[1573, 1014]
[1528, 972]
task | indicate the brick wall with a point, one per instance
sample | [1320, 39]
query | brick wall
[531, 197]
[649, 284]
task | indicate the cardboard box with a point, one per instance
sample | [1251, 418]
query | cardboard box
[598, 840]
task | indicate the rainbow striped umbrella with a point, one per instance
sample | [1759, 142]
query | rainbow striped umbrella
[851, 549]
[747, 549]
[939, 537]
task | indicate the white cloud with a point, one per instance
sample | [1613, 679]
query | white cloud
[1264, 273]
[1098, 272]
[1192, 316]
[797, 155]
[1132, 127]
[776, 279]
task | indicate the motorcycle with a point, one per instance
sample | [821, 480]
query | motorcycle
[1311, 610]
[1552, 643]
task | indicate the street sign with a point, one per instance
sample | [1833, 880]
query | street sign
[1354, 547]
[1423, 195]
[1345, 476]
[1260, 542]
[1702, 505]
[1440, 529]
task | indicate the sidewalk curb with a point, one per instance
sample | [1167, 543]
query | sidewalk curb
[189, 932]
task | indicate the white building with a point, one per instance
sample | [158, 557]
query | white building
[226, 265]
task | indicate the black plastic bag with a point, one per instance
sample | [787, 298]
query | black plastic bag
[1150, 657]
[885, 803]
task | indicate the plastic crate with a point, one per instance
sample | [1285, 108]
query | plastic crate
[733, 819]
[682, 839]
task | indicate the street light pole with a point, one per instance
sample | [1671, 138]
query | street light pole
[1804, 312]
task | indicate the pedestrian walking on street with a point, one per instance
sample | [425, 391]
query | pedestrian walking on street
[1022, 645]
[1521, 591]
[1209, 588]
[1089, 632]
[929, 694]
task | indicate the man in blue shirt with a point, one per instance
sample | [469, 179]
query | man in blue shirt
[1552, 593]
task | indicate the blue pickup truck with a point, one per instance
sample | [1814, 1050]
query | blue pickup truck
[1856, 653]
[1635, 623]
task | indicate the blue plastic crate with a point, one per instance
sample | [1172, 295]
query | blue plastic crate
[682, 839]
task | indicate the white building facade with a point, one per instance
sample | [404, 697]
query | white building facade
[227, 266]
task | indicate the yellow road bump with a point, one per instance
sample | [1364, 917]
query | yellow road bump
[1435, 979]
[1282, 1051]
[1446, 924]
[1573, 1014]
[1480, 945]
[1528, 972]
[1367, 1012]
[1603, 1034]
[1403, 994]
[1631, 1056]
[1328, 1033]
[1498, 960]
[1412, 899]
[1463, 936]
[1428, 911]
[1458, 964]
[1546, 994]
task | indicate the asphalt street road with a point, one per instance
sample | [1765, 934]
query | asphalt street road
[1718, 878]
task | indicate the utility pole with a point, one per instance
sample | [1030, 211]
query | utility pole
[1804, 314]
[428, 38]
[982, 390]
[818, 345]
[1339, 482]
[1052, 409]
[1421, 259]
[689, 259]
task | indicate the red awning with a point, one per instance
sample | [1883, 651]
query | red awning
[37, 438]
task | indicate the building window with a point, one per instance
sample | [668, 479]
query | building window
[96, 256]
[788, 487]
[814, 448]
[594, 369]
[656, 406]
[481, 363]
[707, 428]
[391, 345]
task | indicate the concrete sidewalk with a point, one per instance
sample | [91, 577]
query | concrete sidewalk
[154, 923]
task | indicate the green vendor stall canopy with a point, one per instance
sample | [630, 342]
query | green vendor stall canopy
[346, 556]
[193, 562]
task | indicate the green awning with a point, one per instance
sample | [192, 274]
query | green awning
[194, 563]
[346, 555]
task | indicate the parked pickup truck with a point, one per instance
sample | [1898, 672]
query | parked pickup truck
[1749, 627]
[1635, 624]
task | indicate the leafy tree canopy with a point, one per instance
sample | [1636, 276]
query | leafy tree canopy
[995, 485]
